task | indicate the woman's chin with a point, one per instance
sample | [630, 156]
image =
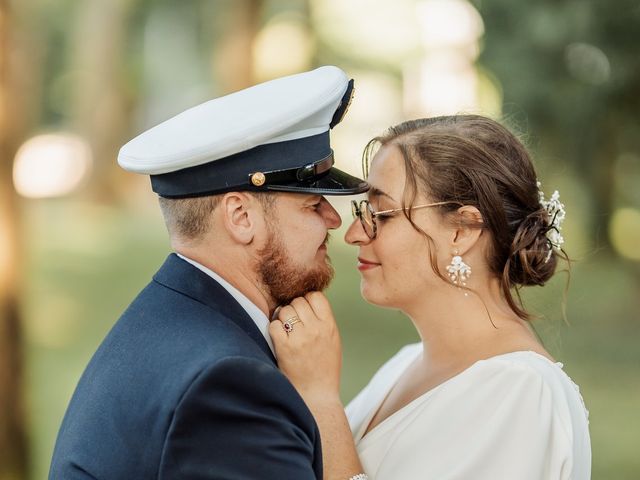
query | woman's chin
[372, 295]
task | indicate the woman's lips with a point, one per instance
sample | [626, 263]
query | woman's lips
[366, 264]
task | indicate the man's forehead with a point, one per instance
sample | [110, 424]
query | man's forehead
[300, 197]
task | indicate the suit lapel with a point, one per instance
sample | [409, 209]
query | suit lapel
[183, 277]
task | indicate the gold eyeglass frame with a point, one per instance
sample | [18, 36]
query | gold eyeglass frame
[358, 207]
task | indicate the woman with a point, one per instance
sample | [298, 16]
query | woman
[453, 226]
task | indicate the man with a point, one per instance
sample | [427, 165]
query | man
[186, 383]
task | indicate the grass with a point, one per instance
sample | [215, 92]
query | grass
[86, 263]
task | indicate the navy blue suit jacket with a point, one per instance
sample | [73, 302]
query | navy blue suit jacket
[185, 387]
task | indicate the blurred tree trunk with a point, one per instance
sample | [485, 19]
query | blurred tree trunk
[13, 436]
[233, 55]
[101, 103]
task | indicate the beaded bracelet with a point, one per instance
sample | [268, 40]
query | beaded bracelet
[360, 476]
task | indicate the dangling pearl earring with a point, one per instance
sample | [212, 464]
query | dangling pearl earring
[459, 272]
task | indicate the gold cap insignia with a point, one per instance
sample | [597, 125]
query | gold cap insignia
[258, 179]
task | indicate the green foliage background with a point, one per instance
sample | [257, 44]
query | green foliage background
[88, 255]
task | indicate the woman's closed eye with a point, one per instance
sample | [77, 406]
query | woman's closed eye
[382, 217]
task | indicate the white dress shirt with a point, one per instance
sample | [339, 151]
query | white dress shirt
[257, 315]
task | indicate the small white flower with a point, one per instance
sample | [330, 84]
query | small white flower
[556, 212]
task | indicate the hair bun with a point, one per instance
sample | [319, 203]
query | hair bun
[532, 260]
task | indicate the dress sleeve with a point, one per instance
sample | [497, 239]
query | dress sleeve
[499, 420]
[241, 419]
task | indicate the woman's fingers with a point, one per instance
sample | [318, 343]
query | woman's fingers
[303, 309]
[287, 312]
[286, 321]
[320, 305]
[277, 333]
[308, 347]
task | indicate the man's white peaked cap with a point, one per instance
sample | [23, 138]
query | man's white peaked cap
[272, 136]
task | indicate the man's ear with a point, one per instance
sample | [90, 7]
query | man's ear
[240, 216]
[467, 230]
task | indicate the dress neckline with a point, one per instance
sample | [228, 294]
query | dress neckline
[419, 399]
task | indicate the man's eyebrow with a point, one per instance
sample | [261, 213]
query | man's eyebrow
[376, 192]
[314, 197]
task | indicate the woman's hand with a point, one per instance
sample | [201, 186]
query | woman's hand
[310, 355]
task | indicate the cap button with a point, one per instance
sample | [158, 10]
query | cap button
[258, 179]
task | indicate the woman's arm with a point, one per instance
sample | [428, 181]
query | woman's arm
[310, 355]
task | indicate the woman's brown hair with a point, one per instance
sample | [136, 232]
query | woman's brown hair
[474, 160]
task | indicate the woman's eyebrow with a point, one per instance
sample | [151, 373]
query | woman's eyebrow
[376, 192]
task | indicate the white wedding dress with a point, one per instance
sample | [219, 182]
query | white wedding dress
[515, 416]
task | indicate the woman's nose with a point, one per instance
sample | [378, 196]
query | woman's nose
[355, 234]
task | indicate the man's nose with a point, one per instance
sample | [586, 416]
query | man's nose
[330, 215]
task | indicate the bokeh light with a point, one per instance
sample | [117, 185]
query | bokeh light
[372, 31]
[283, 33]
[624, 231]
[51, 165]
[446, 79]
[587, 63]
[450, 24]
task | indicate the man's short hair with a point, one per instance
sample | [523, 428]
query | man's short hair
[190, 218]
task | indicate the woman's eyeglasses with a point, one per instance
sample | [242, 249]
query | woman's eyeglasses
[367, 216]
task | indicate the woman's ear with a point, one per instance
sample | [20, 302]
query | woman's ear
[240, 216]
[467, 230]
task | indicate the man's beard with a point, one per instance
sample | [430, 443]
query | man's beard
[283, 279]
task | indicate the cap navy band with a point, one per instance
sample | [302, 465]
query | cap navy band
[306, 173]
[229, 174]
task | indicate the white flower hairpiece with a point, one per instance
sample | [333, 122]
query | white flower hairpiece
[556, 212]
